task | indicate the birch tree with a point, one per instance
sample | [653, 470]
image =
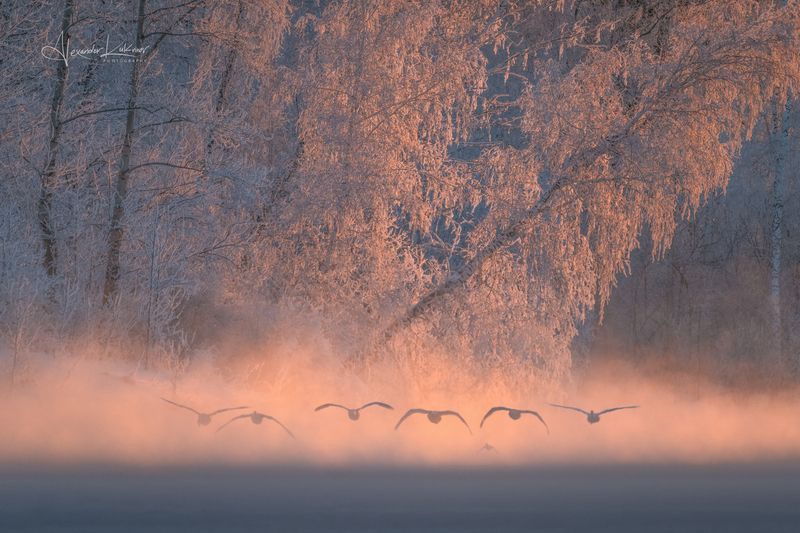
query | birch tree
[629, 134]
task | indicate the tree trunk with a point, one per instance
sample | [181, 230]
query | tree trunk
[121, 187]
[780, 139]
[46, 192]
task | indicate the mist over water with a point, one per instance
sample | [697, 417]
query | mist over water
[93, 439]
[90, 411]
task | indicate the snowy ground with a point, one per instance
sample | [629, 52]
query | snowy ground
[636, 499]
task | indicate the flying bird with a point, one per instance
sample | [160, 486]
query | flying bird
[514, 414]
[591, 416]
[433, 416]
[487, 448]
[353, 414]
[204, 419]
[256, 418]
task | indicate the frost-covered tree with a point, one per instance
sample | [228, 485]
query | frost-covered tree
[456, 182]
[622, 132]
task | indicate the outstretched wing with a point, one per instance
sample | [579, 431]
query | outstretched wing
[181, 406]
[218, 411]
[409, 413]
[231, 420]
[453, 413]
[379, 404]
[537, 415]
[568, 407]
[326, 405]
[279, 423]
[492, 411]
[604, 411]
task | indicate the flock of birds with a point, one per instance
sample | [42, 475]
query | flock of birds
[433, 416]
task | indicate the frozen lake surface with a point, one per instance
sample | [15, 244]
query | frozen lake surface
[636, 499]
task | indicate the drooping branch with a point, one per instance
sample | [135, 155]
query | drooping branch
[457, 279]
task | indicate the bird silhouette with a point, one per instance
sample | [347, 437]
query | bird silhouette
[487, 448]
[204, 419]
[256, 418]
[433, 416]
[353, 414]
[591, 416]
[514, 414]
